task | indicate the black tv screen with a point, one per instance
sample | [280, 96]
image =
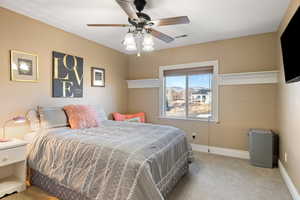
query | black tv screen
[290, 45]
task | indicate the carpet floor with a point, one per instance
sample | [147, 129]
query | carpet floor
[211, 177]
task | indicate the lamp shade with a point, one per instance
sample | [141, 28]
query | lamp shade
[16, 119]
[19, 119]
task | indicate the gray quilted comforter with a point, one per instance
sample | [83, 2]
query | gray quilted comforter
[116, 161]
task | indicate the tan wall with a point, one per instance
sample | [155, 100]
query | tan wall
[22, 33]
[241, 107]
[289, 111]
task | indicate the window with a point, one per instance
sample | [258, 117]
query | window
[175, 94]
[189, 92]
[199, 98]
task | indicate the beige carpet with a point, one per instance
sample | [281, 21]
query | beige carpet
[212, 177]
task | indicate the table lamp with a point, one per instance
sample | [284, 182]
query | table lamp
[16, 120]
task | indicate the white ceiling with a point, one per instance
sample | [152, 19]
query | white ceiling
[210, 19]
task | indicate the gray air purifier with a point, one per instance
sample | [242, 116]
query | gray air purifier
[263, 148]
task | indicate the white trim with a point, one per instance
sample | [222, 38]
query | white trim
[200, 148]
[190, 65]
[215, 80]
[188, 119]
[221, 151]
[143, 83]
[288, 181]
[263, 77]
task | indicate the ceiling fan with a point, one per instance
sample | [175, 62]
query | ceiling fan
[141, 26]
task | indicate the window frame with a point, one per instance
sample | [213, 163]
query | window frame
[215, 89]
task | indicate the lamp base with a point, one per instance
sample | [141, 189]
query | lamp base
[4, 140]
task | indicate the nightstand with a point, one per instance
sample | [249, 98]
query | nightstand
[12, 166]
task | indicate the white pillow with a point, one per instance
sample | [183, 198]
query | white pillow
[101, 115]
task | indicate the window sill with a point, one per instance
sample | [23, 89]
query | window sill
[189, 119]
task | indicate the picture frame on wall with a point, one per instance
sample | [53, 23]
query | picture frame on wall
[98, 77]
[67, 76]
[23, 66]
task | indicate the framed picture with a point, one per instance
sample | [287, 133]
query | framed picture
[67, 76]
[98, 77]
[23, 66]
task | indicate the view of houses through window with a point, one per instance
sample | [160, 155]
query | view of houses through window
[188, 95]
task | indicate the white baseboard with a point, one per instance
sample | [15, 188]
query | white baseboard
[221, 151]
[288, 181]
[200, 148]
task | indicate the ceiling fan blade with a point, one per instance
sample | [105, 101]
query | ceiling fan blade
[127, 6]
[161, 36]
[109, 25]
[171, 21]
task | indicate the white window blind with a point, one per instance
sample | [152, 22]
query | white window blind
[189, 71]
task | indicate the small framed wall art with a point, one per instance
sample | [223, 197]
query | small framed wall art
[23, 66]
[98, 77]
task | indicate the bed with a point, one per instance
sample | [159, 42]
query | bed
[115, 161]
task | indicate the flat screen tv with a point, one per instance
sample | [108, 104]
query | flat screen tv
[290, 45]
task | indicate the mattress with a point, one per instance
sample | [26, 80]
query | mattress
[117, 160]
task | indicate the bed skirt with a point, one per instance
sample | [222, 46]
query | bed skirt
[64, 193]
[53, 188]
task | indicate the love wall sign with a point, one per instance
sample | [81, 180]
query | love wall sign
[67, 76]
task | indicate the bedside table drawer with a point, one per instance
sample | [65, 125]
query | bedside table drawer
[13, 155]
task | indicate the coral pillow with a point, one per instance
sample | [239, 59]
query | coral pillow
[138, 117]
[81, 116]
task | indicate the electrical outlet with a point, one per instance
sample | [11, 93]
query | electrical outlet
[285, 157]
[194, 135]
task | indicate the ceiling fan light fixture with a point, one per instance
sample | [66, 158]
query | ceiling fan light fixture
[140, 34]
[129, 39]
[148, 48]
[148, 40]
[131, 47]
